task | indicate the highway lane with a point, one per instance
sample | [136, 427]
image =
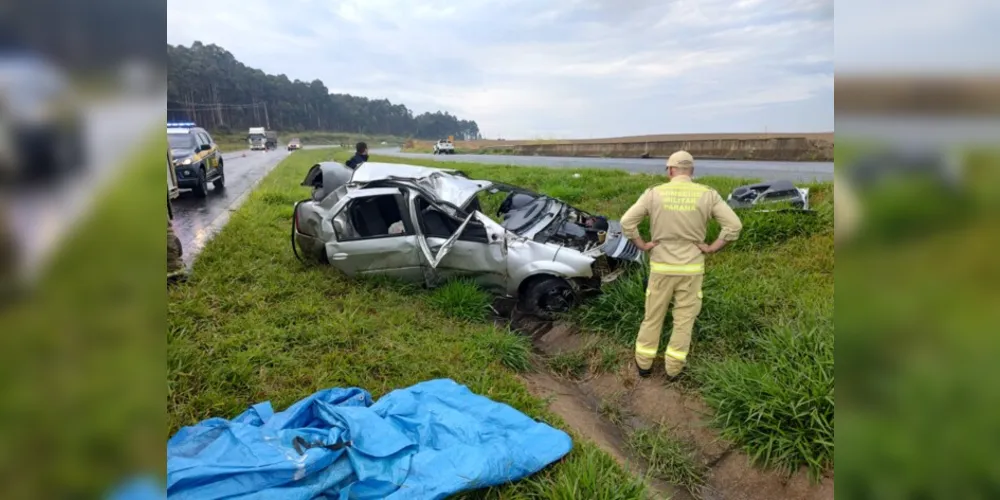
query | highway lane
[764, 170]
[196, 220]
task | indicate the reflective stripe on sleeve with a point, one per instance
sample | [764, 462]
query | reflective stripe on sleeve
[645, 351]
[661, 268]
[678, 355]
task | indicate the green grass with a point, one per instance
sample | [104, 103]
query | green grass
[669, 458]
[254, 324]
[587, 473]
[462, 299]
[779, 403]
[572, 364]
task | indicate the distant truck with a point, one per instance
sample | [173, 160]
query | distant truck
[257, 139]
[271, 141]
[444, 147]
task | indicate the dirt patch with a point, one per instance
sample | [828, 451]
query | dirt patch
[607, 407]
[585, 421]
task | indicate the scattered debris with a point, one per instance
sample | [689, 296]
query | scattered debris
[765, 194]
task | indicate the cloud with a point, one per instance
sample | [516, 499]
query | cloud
[527, 68]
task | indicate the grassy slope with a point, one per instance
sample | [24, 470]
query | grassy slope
[763, 350]
[254, 324]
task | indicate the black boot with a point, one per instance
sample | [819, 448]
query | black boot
[644, 373]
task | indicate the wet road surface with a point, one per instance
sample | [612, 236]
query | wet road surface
[764, 170]
[196, 220]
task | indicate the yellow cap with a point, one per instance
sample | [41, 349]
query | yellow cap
[681, 159]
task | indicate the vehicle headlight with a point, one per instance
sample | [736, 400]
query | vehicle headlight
[186, 161]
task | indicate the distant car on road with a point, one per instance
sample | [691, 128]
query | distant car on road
[197, 159]
[444, 147]
[42, 119]
[294, 144]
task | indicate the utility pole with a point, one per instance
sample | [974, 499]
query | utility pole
[218, 105]
[267, 121]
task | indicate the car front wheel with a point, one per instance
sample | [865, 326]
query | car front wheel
[548, 297]
[201, 190]
[220, 182]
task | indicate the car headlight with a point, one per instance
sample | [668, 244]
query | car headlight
[186, 161]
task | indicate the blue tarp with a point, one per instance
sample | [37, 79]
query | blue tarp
[430, 440]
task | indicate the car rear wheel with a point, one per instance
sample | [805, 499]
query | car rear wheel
[201, 189]
[548, 297]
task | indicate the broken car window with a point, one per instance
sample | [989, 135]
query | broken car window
[437, 224]
[371, 217]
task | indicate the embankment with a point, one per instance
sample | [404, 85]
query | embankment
[814, 147]
[774, 147]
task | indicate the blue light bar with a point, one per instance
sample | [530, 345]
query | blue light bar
[180, 124]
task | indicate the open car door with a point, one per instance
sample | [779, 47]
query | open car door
[460, 245]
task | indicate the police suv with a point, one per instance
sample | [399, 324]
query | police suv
[197, 159]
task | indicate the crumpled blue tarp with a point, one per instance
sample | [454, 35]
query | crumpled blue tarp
[430, 440]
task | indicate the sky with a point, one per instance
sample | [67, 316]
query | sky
[535, 69]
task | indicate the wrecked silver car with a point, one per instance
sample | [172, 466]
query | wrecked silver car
[428, 225]
[767, 195]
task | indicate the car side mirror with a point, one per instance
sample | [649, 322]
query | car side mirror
[204, 147]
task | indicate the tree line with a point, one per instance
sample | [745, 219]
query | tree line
[207, 85]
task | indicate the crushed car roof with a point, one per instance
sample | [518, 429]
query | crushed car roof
[447, 185]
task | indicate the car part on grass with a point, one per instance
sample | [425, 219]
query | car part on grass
[944, 166]
[537, 241]
[765, 196]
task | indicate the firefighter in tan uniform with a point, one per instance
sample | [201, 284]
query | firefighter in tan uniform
[679, 213]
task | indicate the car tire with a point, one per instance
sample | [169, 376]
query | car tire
[220, 182]
[548, 297]
[201, 190]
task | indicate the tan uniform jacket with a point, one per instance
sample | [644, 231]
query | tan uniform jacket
[679, 212]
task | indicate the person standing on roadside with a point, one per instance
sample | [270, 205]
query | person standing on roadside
[360, 156]
[679, 212]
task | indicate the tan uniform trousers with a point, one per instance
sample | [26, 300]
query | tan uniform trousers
[686, 293]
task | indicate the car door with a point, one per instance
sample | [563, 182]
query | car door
[365, 223]
[469, 247]
[210, 155]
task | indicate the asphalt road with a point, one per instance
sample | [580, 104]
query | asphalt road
[764, 170]
[196, 220]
